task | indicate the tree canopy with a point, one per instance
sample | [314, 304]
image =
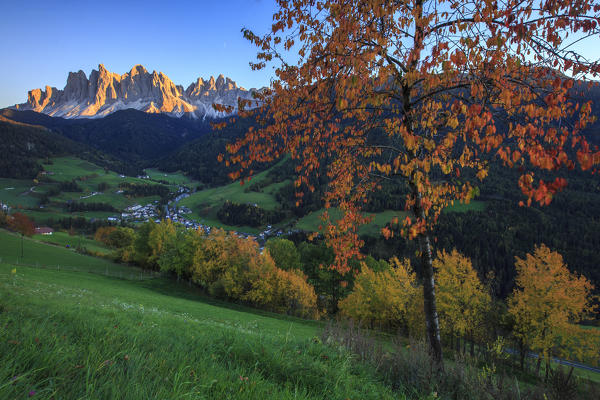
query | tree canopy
[548, 304]
[451, 84]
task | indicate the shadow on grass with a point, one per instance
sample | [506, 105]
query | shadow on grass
[169, 287]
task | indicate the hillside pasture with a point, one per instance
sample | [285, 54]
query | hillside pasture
[63, 239]
[80, 335]
[16, 192]
[173, 178]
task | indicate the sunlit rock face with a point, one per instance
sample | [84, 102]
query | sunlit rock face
[105, 92]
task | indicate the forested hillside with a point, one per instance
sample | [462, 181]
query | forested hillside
[23, 145]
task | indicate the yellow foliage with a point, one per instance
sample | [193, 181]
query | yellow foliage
[461, 298]
[282, 291]
[389, 298]
[233, 267]
[548, 303]
[159, 238]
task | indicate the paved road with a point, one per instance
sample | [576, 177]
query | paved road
[561, 361]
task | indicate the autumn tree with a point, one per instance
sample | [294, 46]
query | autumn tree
[462, 298]
[387, 299]
[159, 236]
[3, 218]
[420, 93]
[547, 305]
[233, 267]
[21, 223]
[282, 291]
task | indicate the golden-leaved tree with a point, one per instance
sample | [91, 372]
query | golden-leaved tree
[462, 299]
[548, 304]
[436, 77]
[389, 298]
[232, 266]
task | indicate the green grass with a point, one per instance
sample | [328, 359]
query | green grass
[76, 334]
[205, 204]
[88, 176]
[70, 335]
[215, 223]
[233, 192]
[15, 192]
[64, 239]
[174, 178]
[273, 188]
[57, 258]
[312, 221]
[41, 216]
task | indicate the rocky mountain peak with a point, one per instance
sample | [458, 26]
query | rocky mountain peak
[105, 92]
[138, 69]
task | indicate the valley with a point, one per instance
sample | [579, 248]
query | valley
[305, 200]
[130, 207]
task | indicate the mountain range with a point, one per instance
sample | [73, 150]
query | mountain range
[105, 92]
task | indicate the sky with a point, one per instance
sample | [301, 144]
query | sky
[42, 41]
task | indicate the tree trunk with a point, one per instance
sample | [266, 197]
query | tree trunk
[472, 347]
[522, 354]
[431, 315]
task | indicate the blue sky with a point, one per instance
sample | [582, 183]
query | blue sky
[43, 40]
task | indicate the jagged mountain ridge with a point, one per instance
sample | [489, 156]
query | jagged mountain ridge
[105, 92]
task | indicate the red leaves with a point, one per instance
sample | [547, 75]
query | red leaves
[543, 193]
[351, 78]
[21, 223]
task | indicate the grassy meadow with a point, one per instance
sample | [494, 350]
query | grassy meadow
[26, 195]
[75, 326]
[233, 192]
[68, 334]
[173, 178]
[63, 239]
[16, 192]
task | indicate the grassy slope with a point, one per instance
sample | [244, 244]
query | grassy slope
[73, 335]
[234, 192]
[63, 239]
[175, 178]
[16, 192]
[54, 257]
[206, 203]
[312, 221]
[65, 169]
